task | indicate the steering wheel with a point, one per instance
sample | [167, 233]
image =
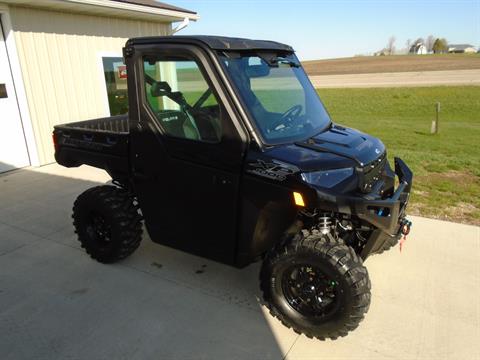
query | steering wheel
[288, 117]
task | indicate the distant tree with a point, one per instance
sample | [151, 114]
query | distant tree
[419, 41]
[429, 43]
[440, 46]
[408, 44]
[391, 45]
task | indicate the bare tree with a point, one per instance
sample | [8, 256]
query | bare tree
[408, 44]
[429, 42]
[391, 45]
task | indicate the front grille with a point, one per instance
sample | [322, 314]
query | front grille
[371, 173]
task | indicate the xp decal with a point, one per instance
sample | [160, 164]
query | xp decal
[275, 170]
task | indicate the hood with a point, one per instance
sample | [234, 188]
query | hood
[336, 147]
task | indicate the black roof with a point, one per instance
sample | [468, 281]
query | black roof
[156, 4]
[216, 42]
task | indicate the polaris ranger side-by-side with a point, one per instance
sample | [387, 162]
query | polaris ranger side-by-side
[227, 152]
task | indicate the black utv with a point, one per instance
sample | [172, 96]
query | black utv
[227, 152]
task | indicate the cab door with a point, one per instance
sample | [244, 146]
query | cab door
[187, 152]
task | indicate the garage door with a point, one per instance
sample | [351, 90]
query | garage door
[13, 148]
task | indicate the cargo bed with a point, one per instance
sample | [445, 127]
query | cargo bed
[113, 124]
[99, 142]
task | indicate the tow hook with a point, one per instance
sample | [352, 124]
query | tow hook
[405, 226]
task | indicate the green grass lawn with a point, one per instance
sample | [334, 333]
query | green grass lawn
[446, 166]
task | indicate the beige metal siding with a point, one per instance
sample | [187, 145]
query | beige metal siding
[60, 59]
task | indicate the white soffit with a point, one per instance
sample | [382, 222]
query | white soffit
[107, 8]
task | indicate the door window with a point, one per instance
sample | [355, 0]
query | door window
[181, 99]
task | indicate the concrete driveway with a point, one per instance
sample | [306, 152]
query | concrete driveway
[57, 303]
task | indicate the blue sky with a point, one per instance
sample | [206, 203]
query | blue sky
[329, 29]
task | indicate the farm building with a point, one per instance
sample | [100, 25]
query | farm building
[461, 48]
[61, 61]
[418, 49]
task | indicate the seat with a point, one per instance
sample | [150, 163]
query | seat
[176, 123]
[208, 124]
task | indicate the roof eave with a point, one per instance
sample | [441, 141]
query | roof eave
[102, 7]
[178, 15]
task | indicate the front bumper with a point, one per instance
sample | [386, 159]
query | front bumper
[386, 214]
[383, 213]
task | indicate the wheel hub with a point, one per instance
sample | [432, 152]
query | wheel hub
[309, 291]
[100, 229]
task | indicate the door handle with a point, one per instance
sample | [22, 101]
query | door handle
[3, 91]
[221, 180]
[140, 175]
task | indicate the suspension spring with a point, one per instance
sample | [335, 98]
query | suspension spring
[324, 223]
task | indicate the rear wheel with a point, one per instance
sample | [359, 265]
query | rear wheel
[107, 222]
[317, 285]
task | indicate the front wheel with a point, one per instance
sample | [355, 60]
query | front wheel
[316, 285]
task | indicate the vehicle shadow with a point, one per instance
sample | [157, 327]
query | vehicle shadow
[56, 302]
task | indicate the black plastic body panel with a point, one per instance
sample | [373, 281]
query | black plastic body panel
[266, 213]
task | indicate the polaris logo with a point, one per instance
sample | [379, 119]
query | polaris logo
[171, 118]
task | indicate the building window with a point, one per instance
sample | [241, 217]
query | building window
[115, 73]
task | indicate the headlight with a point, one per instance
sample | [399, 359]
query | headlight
[327, 178]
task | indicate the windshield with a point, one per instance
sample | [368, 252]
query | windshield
[278, 96]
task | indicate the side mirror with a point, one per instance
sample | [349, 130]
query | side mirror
[160, 88]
